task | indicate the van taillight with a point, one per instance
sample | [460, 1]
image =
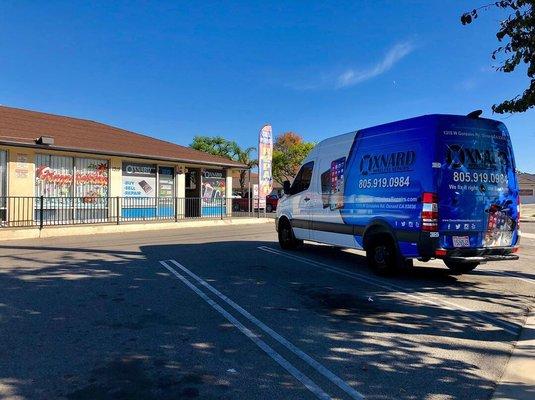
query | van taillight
[430, 212]
[518, 213]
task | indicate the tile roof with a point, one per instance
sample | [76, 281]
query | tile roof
[23, 127]
[525, 178]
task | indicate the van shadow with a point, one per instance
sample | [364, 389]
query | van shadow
[97, 322]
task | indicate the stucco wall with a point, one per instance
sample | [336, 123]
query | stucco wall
[21, 171]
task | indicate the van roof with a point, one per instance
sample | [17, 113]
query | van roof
[405, 124]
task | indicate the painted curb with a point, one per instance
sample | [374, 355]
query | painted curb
[518, 380]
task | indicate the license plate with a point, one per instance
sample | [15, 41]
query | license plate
[461, 241]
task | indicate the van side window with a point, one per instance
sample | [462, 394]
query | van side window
[303, 178]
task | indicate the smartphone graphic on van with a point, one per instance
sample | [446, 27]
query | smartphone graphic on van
[336, 200]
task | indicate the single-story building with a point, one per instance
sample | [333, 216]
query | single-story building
[526, 183]
[57, 169]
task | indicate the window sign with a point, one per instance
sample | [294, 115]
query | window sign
[139, 180]
[53, 176]
[139, 191]
[91, 178]
[166, 181]
[166, 188]
[213, 192]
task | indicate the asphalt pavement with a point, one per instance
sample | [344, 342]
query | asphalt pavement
[224, 313]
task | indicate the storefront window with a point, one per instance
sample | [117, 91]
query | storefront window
[73, 188]
[166, 181]
[139, 191]
[53, 176]
[91, 178]
[213, 192]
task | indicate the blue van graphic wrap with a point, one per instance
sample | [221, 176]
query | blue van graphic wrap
[477, 187]
[468, 164]
[385, 176]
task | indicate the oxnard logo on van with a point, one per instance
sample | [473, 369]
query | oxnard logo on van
[383, 163]
[474, 158]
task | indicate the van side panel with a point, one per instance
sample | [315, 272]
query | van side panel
[388, 169]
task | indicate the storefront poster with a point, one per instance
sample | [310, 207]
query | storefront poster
[166, 181]
[213, 186]
[53, 176]
[91, 181]
[139, 180]
[265, 154]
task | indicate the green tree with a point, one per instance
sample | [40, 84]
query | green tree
[517, 46]
[244, 156]
[216, 145]
[289, 151]
[219, 146]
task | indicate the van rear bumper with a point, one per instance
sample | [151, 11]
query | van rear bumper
[483, 259]
[482, 254]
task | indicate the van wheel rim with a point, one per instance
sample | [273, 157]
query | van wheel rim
[285, 234]
[380, 254]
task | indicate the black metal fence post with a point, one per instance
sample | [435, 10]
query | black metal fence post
[176, 209]
[41, 212]
[118, 209]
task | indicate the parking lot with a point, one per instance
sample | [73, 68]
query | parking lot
[223, 313]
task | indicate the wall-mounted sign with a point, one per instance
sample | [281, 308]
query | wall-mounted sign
[21, 167]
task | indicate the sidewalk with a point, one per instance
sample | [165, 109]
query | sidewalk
[518, 380]
[72, 230]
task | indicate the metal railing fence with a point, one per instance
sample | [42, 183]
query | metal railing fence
[20, 211]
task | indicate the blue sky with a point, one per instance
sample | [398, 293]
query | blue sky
[176, 69]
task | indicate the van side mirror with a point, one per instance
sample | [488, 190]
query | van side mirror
[286, 187]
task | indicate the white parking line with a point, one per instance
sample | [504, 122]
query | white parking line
[511, 274]
[504, 325]
[526, 235]
[298, 352]
[297, 374]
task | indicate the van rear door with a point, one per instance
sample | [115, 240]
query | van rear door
[477, 188]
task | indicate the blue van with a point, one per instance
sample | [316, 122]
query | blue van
[435, 186]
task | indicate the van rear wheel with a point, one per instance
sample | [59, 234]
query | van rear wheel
[382, 255]
[460, 267]
[287, 239]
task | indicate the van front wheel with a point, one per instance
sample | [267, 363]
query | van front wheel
[460, 267]
[287, 239]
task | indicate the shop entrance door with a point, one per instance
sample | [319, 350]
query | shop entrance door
[193, 193]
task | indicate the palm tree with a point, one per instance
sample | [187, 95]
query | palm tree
[244, 156]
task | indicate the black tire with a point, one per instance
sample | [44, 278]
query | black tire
[235, 207]
[287, 239]
[382, 255]
[269, 208]
[460, 267]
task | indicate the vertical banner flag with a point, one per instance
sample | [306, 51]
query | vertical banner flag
[265, 152]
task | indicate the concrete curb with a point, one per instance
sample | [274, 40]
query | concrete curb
[518, 380]
[76, 230]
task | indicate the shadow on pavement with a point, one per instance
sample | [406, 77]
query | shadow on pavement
[97, 323]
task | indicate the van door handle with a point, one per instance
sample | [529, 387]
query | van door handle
[307, 199]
